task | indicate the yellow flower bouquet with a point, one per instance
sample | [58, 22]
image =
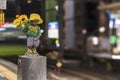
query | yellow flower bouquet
[21, 21]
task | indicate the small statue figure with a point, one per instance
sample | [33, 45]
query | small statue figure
[32, 30]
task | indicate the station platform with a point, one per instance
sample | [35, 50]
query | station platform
[70, 71]
[8, 70]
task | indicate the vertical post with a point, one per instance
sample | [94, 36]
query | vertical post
[60, 20]
[43, 16]
[1, 17]
[43, 11]
[69, 23]
[32, 68]
[2, 7]
[18, 6]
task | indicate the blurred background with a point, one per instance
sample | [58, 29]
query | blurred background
[81, 38]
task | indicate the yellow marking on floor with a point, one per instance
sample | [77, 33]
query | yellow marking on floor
[2, 75]
[7, 73]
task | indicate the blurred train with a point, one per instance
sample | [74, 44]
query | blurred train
[12, 40]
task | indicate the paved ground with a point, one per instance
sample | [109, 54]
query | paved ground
[62, 76]
[70, 71]
[75, 67]
[8, 70]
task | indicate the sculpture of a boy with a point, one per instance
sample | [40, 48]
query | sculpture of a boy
[32, 30]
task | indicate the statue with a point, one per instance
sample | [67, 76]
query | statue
[32, 30]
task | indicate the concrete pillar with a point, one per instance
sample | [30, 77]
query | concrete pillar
[32, 68]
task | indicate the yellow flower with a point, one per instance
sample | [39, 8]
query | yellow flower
[16, 22]
[23, 18]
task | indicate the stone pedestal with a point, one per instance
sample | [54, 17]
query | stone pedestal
[32, 68]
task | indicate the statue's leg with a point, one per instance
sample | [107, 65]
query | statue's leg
[30, 50]
[30, 45]
[36, 44]
[34, 50]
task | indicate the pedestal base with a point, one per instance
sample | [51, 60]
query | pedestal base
[32, 68]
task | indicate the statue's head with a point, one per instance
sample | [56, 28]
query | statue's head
[35, 19]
